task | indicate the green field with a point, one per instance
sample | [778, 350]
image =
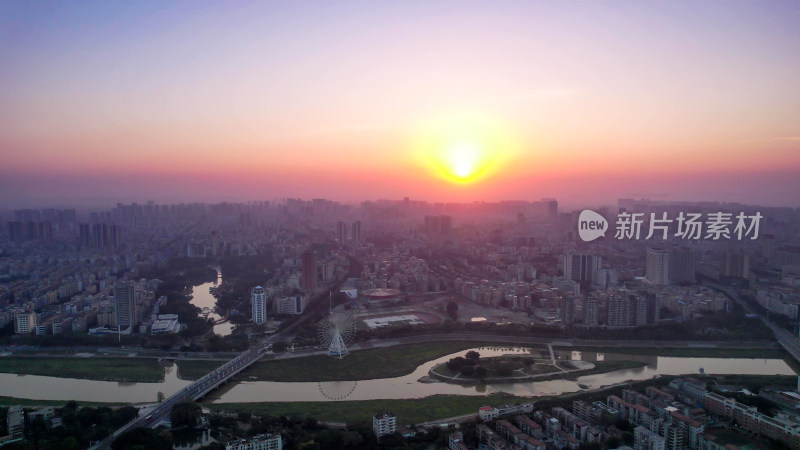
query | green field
[386, 362]
[12, 401]
[105, 369]
[408, 411]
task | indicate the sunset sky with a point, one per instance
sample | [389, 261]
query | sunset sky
[582, 101]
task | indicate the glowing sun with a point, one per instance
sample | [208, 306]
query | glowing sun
[464, 161]
[463, 149]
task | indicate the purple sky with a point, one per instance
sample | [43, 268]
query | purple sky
[583, 101]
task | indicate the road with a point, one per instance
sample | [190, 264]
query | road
[787, 340]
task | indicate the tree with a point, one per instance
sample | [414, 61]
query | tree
[160, 397]
[279, 347]
[19, 445]
[504, 369]
[185, 414]
[627, 437]
[69, 443]
[457, 364]
[452, 309]
[392, 440]
[472, 355]
[591, 446]
[142, 438]
[481, 371]
[123, 415]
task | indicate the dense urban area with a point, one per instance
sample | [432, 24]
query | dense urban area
[324, 292]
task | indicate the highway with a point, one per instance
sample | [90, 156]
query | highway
[787, 340]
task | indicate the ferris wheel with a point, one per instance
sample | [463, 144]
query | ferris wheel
[336, 390]
[336, 331]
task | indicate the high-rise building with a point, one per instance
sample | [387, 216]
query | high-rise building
[25, 323]
[768, 247]
[125, 304]
[438, 225]
[681, 265]
[293, 304]
[100, 238]
[357, 233]
[85, 235]
[567, 310]
[657, 271]
[639, 311]
[14, 230]
[590, 311]
[619, 310]
[580, 267]
[383, 424]
[115, 236]
[341, 233]
[309, 271]
[446, 224]
[552, 207]
[737, 265]
[258, 302]
[214, 243]
[653, 309]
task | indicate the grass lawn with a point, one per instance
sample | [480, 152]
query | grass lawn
[409, 411]
[11, 401]
[105, 369]
[536, 369]
[386, 362]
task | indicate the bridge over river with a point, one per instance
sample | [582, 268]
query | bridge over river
[198, 389]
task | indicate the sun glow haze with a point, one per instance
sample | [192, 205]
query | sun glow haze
[464, 149]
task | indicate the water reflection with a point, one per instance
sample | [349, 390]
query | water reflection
[203, 299]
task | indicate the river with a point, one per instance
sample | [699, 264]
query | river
[53, 388]
[203, 299]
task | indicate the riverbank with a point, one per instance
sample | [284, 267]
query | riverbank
[693, 352]
[687, 352]
[438, 407]
[382, 362]
[407, 411]
[147, 370]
